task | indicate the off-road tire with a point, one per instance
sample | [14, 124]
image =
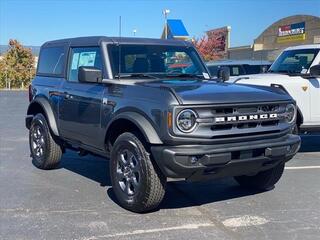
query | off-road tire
[52, 151]
[263, 180]
[152, 182]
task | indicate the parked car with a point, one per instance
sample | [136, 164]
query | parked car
[178, 67]
[239, 67]
[90, 96]
[297, 72]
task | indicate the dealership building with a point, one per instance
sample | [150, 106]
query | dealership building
[289, 31]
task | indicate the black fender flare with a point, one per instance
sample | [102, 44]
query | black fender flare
[299, 113]
[45, 105]
[142, 124]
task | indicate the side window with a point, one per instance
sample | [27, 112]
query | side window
[235, 71]
[51, 61]
[88, 57]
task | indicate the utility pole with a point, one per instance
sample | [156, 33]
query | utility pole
[165, 13]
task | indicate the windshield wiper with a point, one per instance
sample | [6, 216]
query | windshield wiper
[184, 75]
[136, 75]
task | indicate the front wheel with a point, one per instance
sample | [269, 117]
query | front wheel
[137, 182]
[263, 180]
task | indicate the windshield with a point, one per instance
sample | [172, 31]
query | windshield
[294, 61]
[155, 61]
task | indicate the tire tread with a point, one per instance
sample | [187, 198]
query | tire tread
[54, 150]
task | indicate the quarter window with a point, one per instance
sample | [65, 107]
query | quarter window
[51, 61]
[88, 57]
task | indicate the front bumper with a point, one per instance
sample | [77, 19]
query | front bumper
[198, 162]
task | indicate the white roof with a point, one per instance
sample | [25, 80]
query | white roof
[309, 46]
[238, 62]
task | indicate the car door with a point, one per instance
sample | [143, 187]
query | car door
[315, 100]
[80, 109]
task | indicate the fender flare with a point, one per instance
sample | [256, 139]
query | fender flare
[142, 123]
[45, 105]
[299, 113]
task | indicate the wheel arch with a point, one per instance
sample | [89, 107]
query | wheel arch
[42, 105]
[299, 117]
[131, 121]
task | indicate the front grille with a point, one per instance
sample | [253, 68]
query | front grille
[245, 117]
[248, 121]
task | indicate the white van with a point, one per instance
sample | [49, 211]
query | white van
[296, 71]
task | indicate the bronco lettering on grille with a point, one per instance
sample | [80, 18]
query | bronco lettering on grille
[240, 118]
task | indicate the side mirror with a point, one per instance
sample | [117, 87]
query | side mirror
[315, 70]
[223, 73]
[89, 74]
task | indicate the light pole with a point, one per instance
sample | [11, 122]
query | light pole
[134, 32]
[165, 13]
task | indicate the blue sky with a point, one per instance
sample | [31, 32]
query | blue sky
[36, 21]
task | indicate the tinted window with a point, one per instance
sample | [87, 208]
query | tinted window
[235, 70]
[51, 61]
[294, 61]
[213, 70]
[255, 69]
[88, 57]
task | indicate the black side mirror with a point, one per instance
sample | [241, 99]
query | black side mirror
[223, 73]
[89, 74]
[315, 70]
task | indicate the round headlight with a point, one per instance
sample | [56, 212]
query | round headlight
[290, 113]
[186, 120]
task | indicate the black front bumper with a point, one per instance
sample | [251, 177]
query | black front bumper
[197, 162]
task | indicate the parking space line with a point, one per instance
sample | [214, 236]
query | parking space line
[303, 167]
[137, 232]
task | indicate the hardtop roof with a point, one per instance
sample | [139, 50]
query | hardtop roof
[238, 62]
[306, 46]
[97, 40]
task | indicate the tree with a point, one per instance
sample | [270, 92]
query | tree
[17, 66]
[213, 45]
[2, 74]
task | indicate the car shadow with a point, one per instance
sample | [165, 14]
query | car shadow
[183, 194]
[89, 166]
[310, 143]
[179, 194]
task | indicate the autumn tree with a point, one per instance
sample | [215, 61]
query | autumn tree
[17, 66]
[2, 74]
[213, 45]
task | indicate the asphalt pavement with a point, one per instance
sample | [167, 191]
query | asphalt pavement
[75, 201]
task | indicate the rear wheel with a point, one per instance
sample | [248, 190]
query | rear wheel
[45, 151]
[263, 180]
[137, 182]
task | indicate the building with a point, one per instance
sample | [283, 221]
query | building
[175, 29]
[289, 31]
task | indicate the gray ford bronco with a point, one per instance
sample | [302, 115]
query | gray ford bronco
[152, 108]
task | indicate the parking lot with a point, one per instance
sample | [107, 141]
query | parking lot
[76, 201]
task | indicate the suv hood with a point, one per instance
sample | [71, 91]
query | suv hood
[211, 92]
[267, 78]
